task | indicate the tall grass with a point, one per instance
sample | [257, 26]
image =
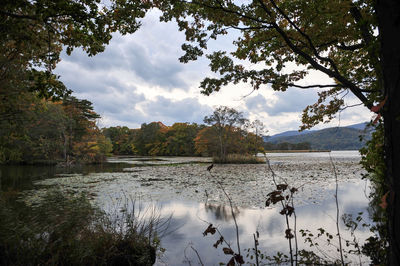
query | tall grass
[70, 231]
[239, 159]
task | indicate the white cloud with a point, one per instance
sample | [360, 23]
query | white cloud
[138, 79]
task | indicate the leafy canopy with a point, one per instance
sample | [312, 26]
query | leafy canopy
[337, 38]
[33, 34]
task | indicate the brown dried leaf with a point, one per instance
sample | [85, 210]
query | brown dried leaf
[228, 251]
[290, 210]
[288, 234]
[267, 203]
[239, 259]
[274, 197]
[287, 210]
[231, 262]
[277, 199]
[274, 193]
[210, 229]
[219, 241]
[282, 187]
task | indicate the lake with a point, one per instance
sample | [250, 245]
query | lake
[183, 188]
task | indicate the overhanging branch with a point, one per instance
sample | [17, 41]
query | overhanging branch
[19, 16]
[315, 86]
[325, 59]
[344, 81]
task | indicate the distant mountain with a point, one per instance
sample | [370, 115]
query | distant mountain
[335, 138]
[287, 134]
[360, 126]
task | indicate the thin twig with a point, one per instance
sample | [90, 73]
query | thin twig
[295, 231]
[198, 256]
[232, 212]
[337, 211]
[286, 216]
[255, 247]
[226, 242]
[186, 258]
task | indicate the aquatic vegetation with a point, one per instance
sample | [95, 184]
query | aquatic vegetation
[70, 231]
[165, 182]
[239, 159]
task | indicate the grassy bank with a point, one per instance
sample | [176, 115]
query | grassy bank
[70, 231]
[238, 159]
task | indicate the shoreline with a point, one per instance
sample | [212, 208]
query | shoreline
[295, 151]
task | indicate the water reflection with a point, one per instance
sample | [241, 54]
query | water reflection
[16, 177]
[192, 219]
[221, 212]
[23, 177]
[178, 187]
[333, 154]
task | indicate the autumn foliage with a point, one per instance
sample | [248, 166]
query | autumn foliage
[183, 139]
[42, 131]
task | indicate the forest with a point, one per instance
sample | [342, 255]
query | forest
[225, 132]
[40, 131]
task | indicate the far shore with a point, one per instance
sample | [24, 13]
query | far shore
[295, 151]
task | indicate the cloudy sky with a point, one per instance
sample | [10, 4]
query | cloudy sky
[139, 79]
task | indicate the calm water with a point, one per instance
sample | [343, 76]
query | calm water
[182, 187]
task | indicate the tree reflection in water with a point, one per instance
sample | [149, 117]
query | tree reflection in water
[221, 212]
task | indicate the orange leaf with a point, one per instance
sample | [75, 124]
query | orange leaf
[378, 107]
[383, 201]
[376, 119]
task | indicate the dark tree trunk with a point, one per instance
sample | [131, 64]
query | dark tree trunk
[389, 28]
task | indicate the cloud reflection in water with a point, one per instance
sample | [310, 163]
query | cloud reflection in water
[192, 218]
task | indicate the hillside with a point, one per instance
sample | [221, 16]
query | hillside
[360, 126]
[336, 138]
[288, 134]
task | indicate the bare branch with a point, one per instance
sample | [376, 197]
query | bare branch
[256, 248]
[315, 86]
[198, 256]
[350, 106]
[251, 28]
[233, 215]
[337, 211]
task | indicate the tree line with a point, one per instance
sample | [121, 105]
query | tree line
[225, 132]
[36, 130]
[40, 130]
